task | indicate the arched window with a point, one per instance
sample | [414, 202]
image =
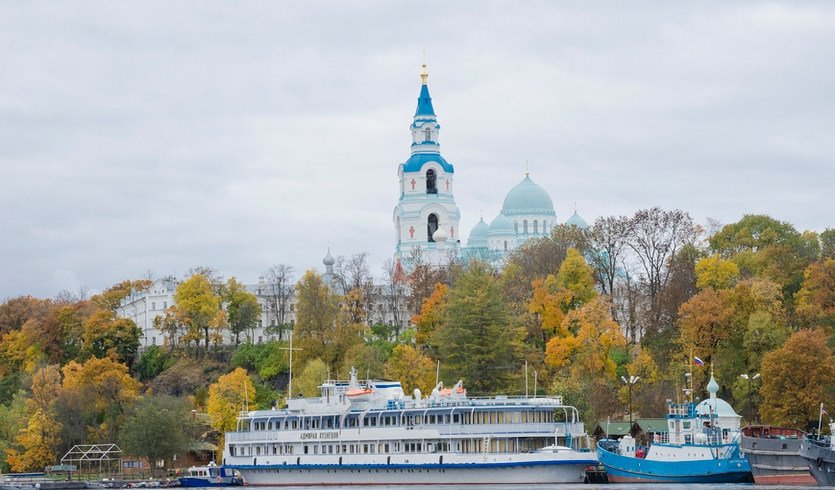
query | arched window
[535, 227]
[525, 227]
[431, 186]
[428, 134]
[431, 226]
[516, 227]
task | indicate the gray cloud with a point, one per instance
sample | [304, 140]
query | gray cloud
[157, 136]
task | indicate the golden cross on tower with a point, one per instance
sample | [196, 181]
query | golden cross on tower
[424, 75]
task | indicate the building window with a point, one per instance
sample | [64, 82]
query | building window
[535, 227]
[153, 341]
[431, 225]
[505, 245]
[428, 134]
[525, 227]
[431, 184]
[153, 305]
[260, 339]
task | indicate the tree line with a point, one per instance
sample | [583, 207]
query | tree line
[629, 296]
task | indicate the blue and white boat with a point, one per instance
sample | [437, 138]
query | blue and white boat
[701, 445]
[211, 475]
[372, 433]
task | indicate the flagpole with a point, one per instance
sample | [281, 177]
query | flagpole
[820, 419]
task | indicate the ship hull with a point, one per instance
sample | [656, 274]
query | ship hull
[530, 472]
[623, 469]
[821, 461]
[776, 461]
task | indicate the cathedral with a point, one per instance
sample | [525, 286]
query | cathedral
[427, 220]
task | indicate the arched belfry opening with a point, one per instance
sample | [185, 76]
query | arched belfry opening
[431, 182]
[431, 226]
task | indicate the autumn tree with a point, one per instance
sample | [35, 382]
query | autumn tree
[100, 390]
[227, 397]
[705, 323]
[816, 298]
[763, 246]
[590, 337]
[112, 297]
[431, 314]
[13, 418]
[39, 439]
[106, 335]
[172, 325]
[555, 295]
[478, 341]
[586, 357]
[796, 378]
[242, 309]
[421, 279]
[198, 304]
[411, 368]
[536, 259]
[322, 329]
[716, 272]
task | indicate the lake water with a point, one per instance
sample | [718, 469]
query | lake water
[649, 486]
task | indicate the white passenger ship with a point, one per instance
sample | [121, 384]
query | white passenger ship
[371, 433]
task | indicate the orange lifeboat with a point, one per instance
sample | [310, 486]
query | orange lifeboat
[359, 394]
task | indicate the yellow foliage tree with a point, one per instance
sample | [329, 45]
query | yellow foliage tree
[555, 295]
[592, 336]
[816, 298]
[41, 436]
[431, 314]
[797, 378]
[105, 382]
[705, 322]
[227, 397]
[411, 368]
[716, 272]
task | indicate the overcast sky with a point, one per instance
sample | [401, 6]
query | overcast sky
[158, 136]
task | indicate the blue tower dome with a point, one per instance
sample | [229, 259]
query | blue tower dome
[528, 198]
[501, 225]
[478, 235]
[576, 220]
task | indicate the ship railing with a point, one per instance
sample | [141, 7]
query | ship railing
[661, 438]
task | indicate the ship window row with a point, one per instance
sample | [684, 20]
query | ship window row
[408, 420]
[478, 445]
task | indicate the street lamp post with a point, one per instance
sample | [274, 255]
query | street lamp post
[629, 382]
[750, 379]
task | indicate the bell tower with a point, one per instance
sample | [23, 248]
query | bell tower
[426, 216]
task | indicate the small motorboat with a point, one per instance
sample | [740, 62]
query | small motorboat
[210, 475]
